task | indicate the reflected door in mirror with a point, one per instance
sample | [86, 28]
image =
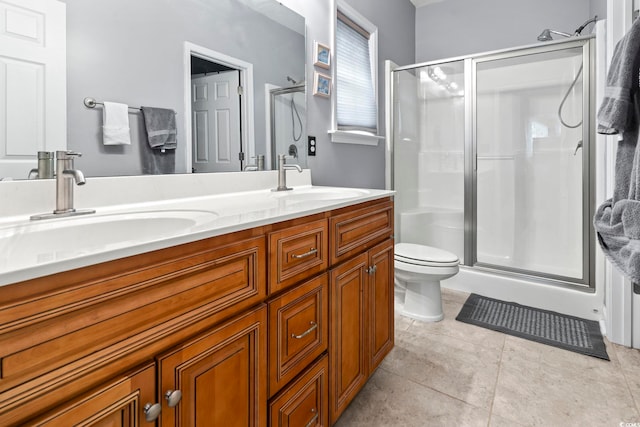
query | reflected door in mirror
[216, 122]
[32, 83]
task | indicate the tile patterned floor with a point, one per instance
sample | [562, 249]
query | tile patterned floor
[451, 373]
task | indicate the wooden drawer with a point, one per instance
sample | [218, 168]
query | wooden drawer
[357, 230]
[297, 253]
[305, 402]
[298, 330]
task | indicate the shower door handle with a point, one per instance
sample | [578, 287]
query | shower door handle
[577, 147]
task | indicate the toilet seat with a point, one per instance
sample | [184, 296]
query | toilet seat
[426, 256]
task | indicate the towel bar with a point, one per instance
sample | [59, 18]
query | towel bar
[92, 103]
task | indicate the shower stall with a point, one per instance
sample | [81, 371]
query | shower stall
[492, 159]
[288, 130]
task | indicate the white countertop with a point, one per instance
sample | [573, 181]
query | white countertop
[33, 249]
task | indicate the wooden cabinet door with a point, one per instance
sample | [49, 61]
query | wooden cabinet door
[222, 375]
[348, 360]
[380, 309]
[121, 402]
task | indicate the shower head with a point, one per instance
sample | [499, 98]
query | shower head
[545, 35]
[292, 80]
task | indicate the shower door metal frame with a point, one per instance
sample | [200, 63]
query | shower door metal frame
[587, 281]
[587, 43]
[299, 88]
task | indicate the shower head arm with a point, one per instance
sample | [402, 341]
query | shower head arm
[560, 33]
[583, 26]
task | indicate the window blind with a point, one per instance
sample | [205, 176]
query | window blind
[355, 94]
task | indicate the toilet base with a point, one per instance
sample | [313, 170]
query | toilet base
[422, 301]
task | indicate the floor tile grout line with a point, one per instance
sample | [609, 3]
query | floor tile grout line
[461, 338]
[495, 385]
[439, 391]
[430, 388]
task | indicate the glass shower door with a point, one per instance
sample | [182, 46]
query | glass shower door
[530, 163]
[429, 161]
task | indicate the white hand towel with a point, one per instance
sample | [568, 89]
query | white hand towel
[115, 124]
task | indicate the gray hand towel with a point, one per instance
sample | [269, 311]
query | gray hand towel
[617, 220]
[161, 127]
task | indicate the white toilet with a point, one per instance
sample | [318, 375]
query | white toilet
[418, 272]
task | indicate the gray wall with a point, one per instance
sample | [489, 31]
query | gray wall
[598, 7]
[132, 52]
[345, 164]
[459, 27]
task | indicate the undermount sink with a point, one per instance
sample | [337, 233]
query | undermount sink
[41, 242]
[318, 195]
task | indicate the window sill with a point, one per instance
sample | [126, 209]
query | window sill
[354, 137]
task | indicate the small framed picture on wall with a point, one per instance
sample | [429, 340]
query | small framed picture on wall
[322, 55]
[321, 84]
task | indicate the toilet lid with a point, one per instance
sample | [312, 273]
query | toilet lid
[424, 255]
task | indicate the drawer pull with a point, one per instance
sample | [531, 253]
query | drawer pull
[151, 412]
[313, 327]
[313, 420]
[306, 254]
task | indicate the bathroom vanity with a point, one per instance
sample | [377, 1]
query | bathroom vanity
[272, 316]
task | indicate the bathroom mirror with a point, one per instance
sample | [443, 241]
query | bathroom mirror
[142, 53]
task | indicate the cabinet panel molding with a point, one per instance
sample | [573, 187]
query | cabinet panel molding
[348, 361]
[297, 253]
[118, 403]
[356, 230]
[298, 330]
[380, 318]
[305, 401]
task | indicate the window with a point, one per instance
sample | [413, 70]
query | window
[355, 108]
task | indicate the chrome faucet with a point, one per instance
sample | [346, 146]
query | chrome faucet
[282, 172]
[45, 166]
[66, 175]
[64, 185]
[258, 166]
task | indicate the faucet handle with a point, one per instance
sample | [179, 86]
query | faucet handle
[67, 154]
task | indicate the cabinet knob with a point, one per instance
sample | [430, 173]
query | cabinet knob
[152, 411]
[173, 397]
[372, 269]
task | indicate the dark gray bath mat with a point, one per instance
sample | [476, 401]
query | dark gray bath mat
[543, 326]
